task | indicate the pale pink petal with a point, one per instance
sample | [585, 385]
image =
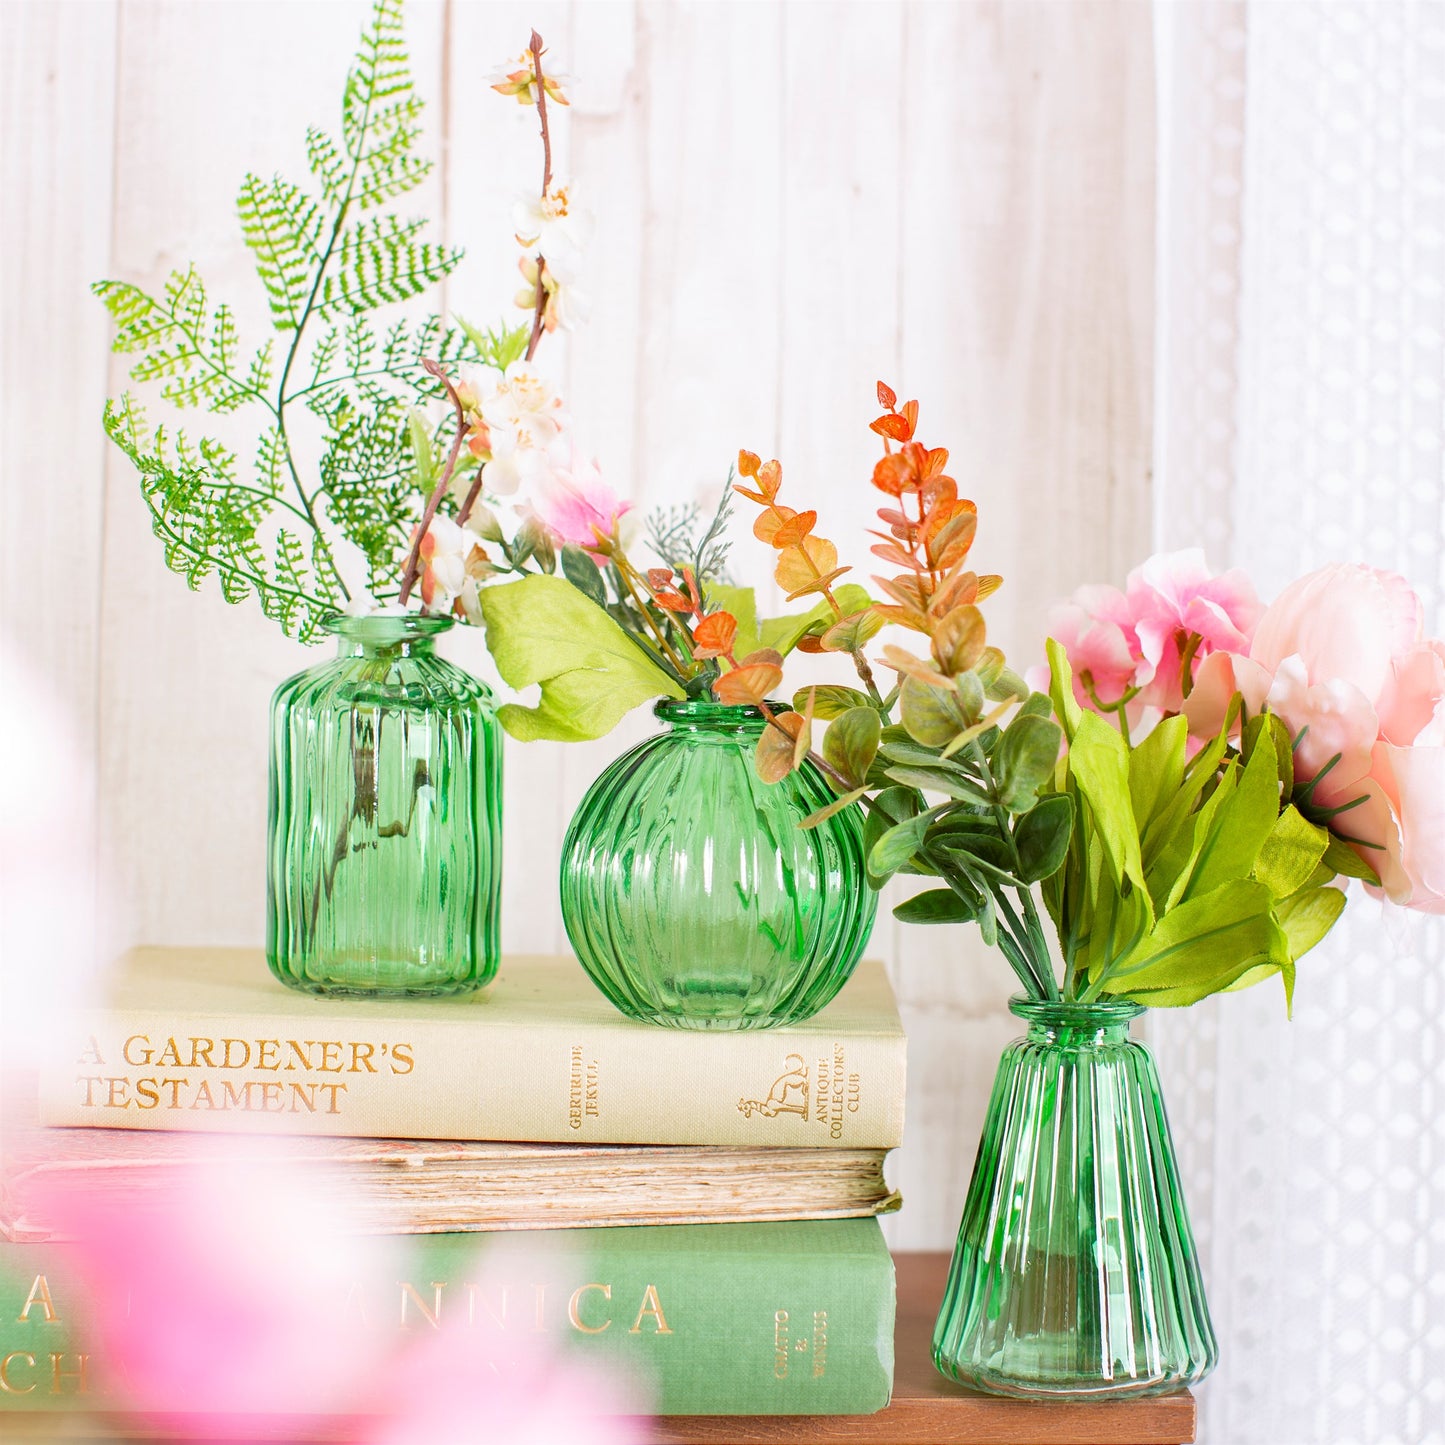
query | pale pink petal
[1412, 702]
[1219, 677]
[1413, 779]
[1345, 622]
[1336, 718]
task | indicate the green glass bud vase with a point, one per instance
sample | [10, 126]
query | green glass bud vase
[385, 818]
[1075, 1273]
[691, 895]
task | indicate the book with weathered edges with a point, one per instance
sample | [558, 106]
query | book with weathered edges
[208, 1040]
[708, 1319]
[415, 1186]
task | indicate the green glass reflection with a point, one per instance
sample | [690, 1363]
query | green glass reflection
[385, 818]
[1075, 1272]
[691, 895]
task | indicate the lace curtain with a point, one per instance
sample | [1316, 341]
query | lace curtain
[1300, 402]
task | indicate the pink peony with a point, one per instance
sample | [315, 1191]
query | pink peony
[1174, 596]
[1339, 656]
[1133, 641]
[576, 505]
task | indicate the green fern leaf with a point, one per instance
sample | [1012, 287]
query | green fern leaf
[380, 262]
[283, 226]
[379, 113]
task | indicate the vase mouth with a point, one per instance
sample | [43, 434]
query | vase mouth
[704, 712]
[1066, 1014]
[382, 629]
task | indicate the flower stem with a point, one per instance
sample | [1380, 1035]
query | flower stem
[413, 561]
[540, 307]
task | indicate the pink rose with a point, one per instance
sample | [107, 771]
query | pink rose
[575, 503]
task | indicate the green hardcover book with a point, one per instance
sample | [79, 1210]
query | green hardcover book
[709, 1319]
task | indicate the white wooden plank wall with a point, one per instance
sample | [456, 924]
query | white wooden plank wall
[792, 200]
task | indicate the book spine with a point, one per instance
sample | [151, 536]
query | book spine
[699, 1319]
[369, 1074]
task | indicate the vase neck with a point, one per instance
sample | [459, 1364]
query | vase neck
[387, 635]
[1077, 1025]
[705, 716]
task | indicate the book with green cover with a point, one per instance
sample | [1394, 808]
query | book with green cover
[729, 1319]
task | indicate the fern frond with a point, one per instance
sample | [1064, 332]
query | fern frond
[379, 262]
[379, 113]
[179, 342]
[207, 522]
[283, 227]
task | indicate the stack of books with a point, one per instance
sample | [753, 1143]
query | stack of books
[709, 1199]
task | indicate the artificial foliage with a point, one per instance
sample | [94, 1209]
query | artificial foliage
[339, 378]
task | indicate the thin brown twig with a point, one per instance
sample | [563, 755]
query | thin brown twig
[540, 307]
[413, 561]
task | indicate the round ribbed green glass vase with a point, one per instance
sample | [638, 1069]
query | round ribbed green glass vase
[690, 894]
[1075, 1273]
[385, 849]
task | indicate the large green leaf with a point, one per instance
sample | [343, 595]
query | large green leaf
[1024, 758]
[1290, 854]
[1240, 825]
[1099, 765]
[542, 630]
[1156, 768]
[1203, 946]
[1041, 837]
[1061, 689]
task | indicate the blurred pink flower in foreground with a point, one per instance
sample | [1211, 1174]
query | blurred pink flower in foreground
[229, 1300]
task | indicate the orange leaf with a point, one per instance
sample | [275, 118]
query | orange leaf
[659, 577]
[770, 478]
[673, 601]
[904, 616]
[887, 397]
[763, 657]
[895, 519]
[988, 585]
[959, 640]
[792, 532]
[909, 591]
[910, 415]
[809, 643]
[803, 564]
[747, 684]
[714, 635]
[893, 474]
[957, 588]
[892, 552]
[820, 585]
[777, 753]
[891, 425]
[910, 666]
[766, 527]
[937, 460]
[748, 464]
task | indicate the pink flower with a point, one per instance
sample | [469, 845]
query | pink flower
[577, 506]
[1173, 597]
[1132, 642]
[1339, 657]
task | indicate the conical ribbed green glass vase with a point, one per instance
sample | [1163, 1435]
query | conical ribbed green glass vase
[385, 848]
[1075, 1272]
[691, 895]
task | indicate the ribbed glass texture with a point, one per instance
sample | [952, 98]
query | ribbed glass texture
[690, 893]
[385, 819]
[1075, 1272]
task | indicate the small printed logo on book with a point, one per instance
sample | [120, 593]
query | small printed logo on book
[789, 1094]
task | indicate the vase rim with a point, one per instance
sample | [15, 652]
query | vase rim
[1066, 1013]
[706, 710]
[384, 627]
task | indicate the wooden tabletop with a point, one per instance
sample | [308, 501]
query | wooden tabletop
[929, 1410]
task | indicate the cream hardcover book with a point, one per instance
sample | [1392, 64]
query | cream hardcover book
[207, 1040]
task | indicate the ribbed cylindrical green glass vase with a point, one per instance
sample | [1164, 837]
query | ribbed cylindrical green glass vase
[385, 849]
[691, 895]
[1075, 1272]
